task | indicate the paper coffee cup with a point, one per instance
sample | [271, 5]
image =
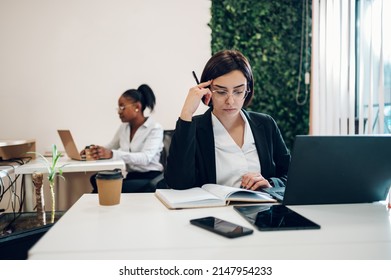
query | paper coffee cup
[109, 185]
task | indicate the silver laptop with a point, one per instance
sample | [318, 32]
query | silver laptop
[337, 169]
[69, 145]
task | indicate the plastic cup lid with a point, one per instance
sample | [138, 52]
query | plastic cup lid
[109, 175]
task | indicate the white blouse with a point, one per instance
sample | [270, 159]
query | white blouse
[232, 161]
[142, 154]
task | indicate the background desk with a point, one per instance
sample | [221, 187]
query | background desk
[72, 166]
[6, 176]
[6, 171]
[141, 228]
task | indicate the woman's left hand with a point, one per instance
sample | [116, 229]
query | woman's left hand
[254, 181]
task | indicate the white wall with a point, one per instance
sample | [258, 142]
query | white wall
[64, 63]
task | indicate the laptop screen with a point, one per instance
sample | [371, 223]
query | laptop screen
[69, 144]
[339, 169]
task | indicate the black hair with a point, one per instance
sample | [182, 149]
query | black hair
[226, 61]
[144, 94]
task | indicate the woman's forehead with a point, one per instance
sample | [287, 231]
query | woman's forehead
[232, 79]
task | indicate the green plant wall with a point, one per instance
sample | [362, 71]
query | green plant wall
[268, 33]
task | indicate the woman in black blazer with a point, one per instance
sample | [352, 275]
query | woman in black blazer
[226, 145]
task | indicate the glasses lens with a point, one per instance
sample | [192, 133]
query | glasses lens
[220, 93]
[237, 94]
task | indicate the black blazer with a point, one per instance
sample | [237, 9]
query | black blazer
[191, 161]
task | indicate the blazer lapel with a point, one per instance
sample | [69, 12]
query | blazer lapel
[259, 134]
[207, 145]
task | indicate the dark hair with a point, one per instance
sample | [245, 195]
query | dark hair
[227, 61]
[143, 94]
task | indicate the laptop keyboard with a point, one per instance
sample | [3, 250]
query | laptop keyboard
[280, 193]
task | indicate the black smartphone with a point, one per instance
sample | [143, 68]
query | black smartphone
[275, 217]
[221, 227]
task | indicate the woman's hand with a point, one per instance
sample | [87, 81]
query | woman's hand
[193, 100]
[254, 181]
[99, 152]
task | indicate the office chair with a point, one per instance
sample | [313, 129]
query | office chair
[158, 182]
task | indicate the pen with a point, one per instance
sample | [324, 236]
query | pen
[198, 82]
[195, 78]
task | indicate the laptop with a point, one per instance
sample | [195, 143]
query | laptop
[337, 169]
[69, 145]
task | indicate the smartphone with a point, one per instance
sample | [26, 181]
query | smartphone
[221, 227]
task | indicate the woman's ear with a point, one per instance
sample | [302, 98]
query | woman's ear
[137, 107]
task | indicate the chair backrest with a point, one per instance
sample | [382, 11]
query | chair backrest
[159, 182]
[166, 146]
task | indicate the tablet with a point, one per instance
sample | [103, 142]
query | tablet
[275, 217]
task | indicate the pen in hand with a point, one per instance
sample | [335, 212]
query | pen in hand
[195, 78]
[204, 100]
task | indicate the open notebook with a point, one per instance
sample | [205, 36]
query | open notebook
[209, 195]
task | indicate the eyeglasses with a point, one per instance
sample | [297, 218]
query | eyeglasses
[237, 94]
[121, 108]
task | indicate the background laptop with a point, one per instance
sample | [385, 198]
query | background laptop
[69, 145]
[338, 169]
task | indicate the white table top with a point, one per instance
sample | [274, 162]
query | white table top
[142, 228]
[69, 165]
[6, 171]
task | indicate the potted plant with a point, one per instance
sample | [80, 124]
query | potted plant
[53, 171]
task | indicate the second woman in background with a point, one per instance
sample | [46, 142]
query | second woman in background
[138, 141]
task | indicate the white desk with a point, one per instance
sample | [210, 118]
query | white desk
[141, 228]
[6, 171]
[6, 176]
[71, 166]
